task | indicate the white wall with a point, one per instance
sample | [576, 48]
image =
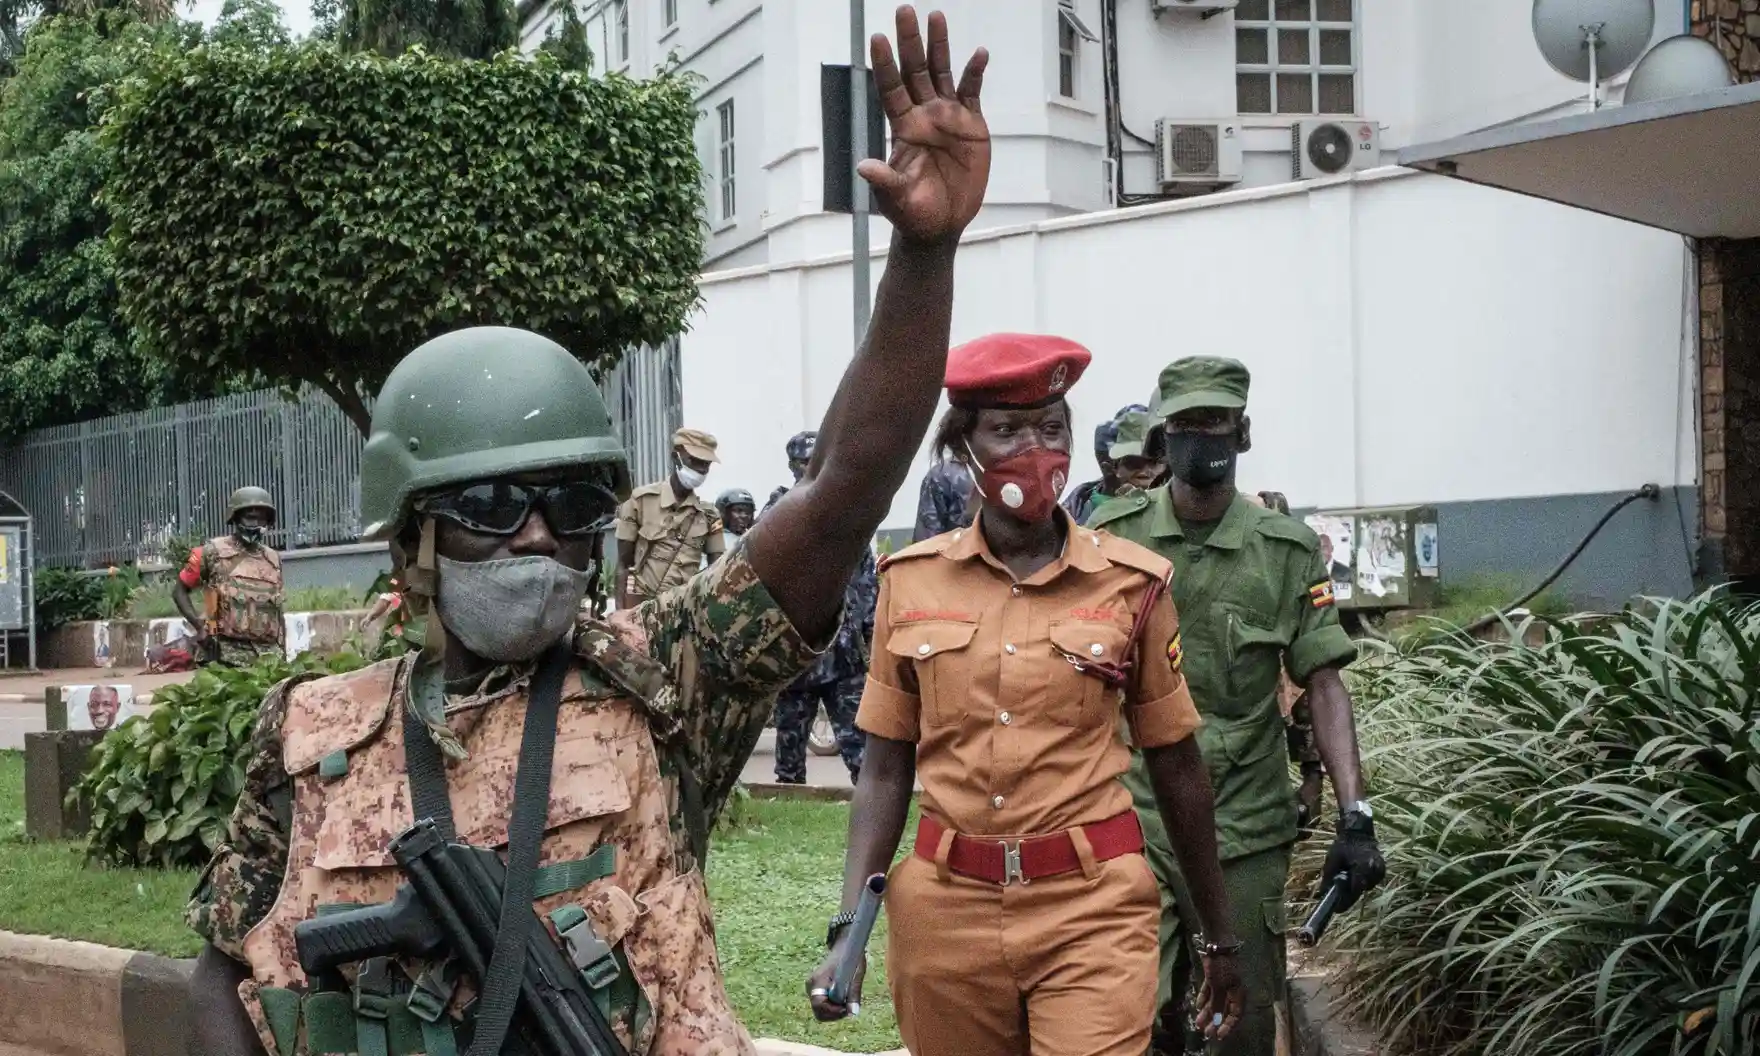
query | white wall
[1412, 338]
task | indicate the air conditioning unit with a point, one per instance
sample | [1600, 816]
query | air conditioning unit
[1207, 153]
[1208, 7]
[1328, 147]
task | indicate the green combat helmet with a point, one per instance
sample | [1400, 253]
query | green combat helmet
[475, 404]
[249, 498]
[488, 401]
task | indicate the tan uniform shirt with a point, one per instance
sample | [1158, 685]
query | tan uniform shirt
[971, 666]
[672, 533]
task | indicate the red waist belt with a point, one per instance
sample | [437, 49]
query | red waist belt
[1016, 861]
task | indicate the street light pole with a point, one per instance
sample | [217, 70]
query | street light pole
[858, 139]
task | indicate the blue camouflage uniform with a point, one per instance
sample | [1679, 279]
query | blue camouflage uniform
[942, 501]
[834, 681]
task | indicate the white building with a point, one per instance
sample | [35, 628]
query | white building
[1517, 363]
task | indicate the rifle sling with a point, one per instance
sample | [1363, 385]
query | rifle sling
[426, 770]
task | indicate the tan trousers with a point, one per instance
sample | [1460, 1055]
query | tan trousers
[1063, 966]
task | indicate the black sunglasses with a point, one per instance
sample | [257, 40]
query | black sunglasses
[572, 509]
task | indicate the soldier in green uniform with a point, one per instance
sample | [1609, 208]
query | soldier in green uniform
[1254, 600]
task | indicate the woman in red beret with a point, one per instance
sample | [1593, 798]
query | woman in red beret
[1009, 659]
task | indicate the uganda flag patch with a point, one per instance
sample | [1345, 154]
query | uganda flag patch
[1176, 656]
[1320, 594]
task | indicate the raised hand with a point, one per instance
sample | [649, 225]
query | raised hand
[933, 184]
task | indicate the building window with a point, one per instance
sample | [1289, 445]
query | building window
[1071, 31]
[669, 13]
[1295, 57]
[622, 31]
[725, 161]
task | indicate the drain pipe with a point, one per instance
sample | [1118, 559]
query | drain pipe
[1648, 491]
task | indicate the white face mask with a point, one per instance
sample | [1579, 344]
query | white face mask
[510, 610]
[692, 479]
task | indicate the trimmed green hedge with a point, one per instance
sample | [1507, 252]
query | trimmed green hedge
[314, 215]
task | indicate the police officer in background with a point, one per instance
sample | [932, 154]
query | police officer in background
[835, 681]
[1255, 600]
[737, 509]
[800, 452]
[1083, 500]
[242, 592]
[945, 500]
[665, 530]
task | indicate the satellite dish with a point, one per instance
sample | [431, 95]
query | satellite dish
[1683, 65]
[1589, 40]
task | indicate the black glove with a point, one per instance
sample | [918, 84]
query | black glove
[1355, 853]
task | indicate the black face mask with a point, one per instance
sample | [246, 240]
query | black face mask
[1201, 459]
[250, 535]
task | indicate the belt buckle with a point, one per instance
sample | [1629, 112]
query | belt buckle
[1011, 863]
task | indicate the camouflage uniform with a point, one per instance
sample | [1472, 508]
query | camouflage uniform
[242, 590]
[661, 710]
[834, 682]
[943, 500]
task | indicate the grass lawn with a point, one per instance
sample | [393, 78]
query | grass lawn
[774, 875]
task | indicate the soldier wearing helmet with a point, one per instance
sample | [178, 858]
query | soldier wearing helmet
[800, 452]
[738, 510]
[240, 579]
[835, 682]
[495, 488]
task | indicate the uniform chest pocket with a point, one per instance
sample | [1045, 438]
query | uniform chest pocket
[1253, 648]
[364, 812]
[940, 652]
[1075, 697]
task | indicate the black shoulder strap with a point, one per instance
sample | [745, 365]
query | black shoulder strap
[525, 833]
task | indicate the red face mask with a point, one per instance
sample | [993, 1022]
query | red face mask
[1026, 485]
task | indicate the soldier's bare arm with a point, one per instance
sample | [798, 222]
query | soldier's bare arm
[1335, 733]
[932, 186]
[626, 559]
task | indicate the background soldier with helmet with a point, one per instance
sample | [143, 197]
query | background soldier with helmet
[800, 452]
[240, 579]
[496, 515]
[738, 510]
[835, 681]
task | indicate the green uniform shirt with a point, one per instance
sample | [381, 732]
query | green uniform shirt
[1246, 606]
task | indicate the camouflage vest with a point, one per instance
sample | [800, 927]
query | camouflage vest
[607, 862]
[243, 587]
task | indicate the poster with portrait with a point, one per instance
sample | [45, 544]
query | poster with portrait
[1424, 541]
[299, 633]
[100, 707]
[1337, 544]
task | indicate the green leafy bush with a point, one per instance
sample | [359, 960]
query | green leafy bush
[1573, 840]
[162, 785]
[67, 595]
[312, 216]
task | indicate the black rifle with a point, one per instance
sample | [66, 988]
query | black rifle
[1322, 915]
[450, 902]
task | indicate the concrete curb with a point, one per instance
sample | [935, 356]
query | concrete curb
[64, 998]
[1319, 1030]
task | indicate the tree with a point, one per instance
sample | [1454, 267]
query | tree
[459, 29]
[17, 16]
[567, 38]
[250, 24]
[313, 216]
[65, 353]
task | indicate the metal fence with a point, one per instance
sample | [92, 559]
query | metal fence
[120, 489]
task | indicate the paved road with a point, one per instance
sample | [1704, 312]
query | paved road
[825, 771]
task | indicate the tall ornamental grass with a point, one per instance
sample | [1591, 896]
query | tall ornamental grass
[1573, 839]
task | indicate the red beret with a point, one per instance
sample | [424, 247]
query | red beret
[1013, 370]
